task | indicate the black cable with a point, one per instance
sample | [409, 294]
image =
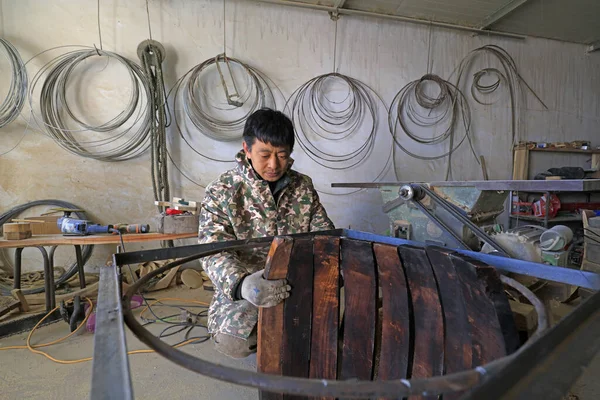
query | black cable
[7, 216]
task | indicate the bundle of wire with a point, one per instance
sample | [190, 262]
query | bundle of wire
[317, 116]
[509, 76]
[193, 106]
[199, 109]
[130, 128]
[17, 92]
[413, 108]
[72, 270]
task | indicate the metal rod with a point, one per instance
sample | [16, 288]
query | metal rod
[48, 280]
[80, 266]
[462, 218]
[565, 185]
[110, 368]
[17, 268]
[441, 224]
[348, 11]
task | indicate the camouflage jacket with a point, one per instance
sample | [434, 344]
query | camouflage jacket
[238, 205]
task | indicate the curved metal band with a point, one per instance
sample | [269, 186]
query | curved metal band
[315, 387]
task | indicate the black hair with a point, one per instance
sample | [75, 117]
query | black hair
[269, 126]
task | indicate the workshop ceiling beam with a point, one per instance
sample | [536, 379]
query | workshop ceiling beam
[348, 11]
[502, 12]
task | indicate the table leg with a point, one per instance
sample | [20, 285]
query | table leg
[80, 266]
[48, 280]
[17, 272]
[51, 263]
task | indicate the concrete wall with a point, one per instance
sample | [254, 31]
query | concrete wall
[290, 46]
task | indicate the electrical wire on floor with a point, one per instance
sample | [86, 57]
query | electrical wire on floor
[34, 348]
[148, 306]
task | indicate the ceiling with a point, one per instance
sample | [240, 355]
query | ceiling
[567, 20]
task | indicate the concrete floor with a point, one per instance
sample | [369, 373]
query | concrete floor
[24, 375]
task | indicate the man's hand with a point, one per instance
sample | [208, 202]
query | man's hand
[264, 293]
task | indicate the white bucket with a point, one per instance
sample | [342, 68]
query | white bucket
[556, 238]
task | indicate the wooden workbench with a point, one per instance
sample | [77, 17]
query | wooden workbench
[59, 240]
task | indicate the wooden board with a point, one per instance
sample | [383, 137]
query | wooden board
[325, 318]
[520, 164]
[428, 357]
[395, 324]
[458, 351]
[486, 335]
[297, 312]
[360, 282]
[270, 320]
[494, 289]
[457, 347]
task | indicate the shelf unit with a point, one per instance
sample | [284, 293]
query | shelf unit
[521, 159]
[521, 156]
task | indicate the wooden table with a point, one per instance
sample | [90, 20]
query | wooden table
[53, 241]
[41, 241]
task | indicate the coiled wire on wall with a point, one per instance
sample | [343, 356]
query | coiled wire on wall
[318, 117]
[197, 108]
[72, 270]
[17, 92]
[509, 76]
[131, 127]
[412, 105]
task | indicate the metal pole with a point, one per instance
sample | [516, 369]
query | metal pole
[348, 11]
[110, 368]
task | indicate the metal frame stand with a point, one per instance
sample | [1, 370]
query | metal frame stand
[23, 324]
[565, 344]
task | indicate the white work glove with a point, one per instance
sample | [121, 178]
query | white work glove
[262, 292]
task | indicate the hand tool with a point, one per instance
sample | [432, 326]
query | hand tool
[79, 227]
[130, 228]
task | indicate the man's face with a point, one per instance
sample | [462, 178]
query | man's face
[268, 161]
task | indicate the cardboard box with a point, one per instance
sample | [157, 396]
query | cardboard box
[175, 224]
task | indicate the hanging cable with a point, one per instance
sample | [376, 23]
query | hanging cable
[507, 76]
[17, 92]
[413, 109]
[332, 109]
[221, 121]
[316, 116]
[130, 128]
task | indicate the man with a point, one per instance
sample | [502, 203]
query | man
[262, 196]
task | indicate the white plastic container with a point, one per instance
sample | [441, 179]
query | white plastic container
[556, 238]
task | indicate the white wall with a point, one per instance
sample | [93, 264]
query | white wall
[290, 46]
